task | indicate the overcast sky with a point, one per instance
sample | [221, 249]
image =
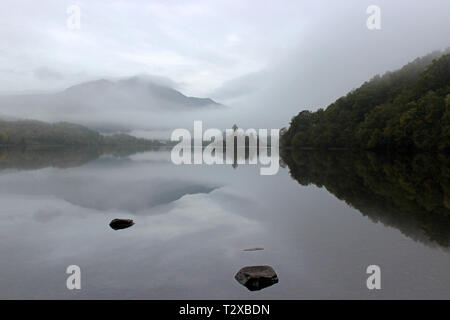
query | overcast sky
[268, 57]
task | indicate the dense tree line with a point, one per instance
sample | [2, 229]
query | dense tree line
[405, 110]
[37, 133]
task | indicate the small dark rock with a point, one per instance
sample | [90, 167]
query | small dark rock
[253, 249]
[256, 277]
[118, 224]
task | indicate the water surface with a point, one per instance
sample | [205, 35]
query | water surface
[320, 222]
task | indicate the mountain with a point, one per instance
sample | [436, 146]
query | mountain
[404, 110]
[127, 103]
[138, 90]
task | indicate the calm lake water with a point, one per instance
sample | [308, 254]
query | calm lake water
[193, 223]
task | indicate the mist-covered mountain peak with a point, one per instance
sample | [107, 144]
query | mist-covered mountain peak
[141, 89]
[139, 101]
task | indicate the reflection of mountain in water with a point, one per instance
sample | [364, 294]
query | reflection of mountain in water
[411, 194]
[132, 194]
[135, 197]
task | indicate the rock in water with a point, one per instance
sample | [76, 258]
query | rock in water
[256, 277]
[118, 224]
[253, 249]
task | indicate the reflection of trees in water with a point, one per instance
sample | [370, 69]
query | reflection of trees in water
[248, 153]
[60, 157]
[239, 147]
[411, 194]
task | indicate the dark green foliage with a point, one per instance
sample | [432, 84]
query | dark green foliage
[405, 110]
[37, 133]
[410, 193]
[31, 132]
[125, 139]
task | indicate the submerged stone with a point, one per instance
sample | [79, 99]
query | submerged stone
[256, 277]
[254, 249]
[118, 224]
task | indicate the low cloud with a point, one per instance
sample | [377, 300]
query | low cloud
[45, 73]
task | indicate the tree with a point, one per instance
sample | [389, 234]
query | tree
[403, 110]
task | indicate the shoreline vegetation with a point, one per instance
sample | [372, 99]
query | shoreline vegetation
[383, 149]
[33, 133]
[404, 111]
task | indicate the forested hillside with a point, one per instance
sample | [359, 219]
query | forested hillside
[32, 133]
[405, 110]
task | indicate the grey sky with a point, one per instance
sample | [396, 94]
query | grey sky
[267, 60]
[199, 44]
